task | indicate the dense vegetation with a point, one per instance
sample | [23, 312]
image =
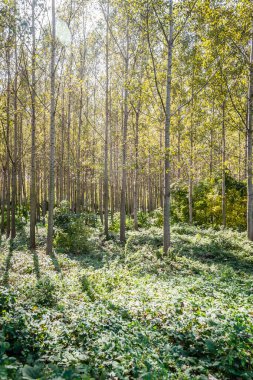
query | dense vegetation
[127, 311]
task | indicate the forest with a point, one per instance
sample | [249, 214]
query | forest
[126, 189]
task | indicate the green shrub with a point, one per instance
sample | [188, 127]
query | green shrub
[71, 231]
[115, 224]
[43, 293]
[179, 203]
[87, 287]
[20, 331]
[143, 219]
[90, 219]
[75, 239]
[207, 198]
[129, 223]
[207, 203]
[62, 216]
[157, 217]
[7, 299]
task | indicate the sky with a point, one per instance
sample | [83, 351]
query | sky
[62, 30]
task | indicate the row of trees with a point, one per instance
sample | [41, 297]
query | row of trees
[138, 95]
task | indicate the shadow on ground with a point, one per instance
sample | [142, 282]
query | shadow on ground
[36, 263]
[92, 259]
[214, 252]
[55, 262]
[6, 274]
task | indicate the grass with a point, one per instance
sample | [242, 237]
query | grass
[128, 312]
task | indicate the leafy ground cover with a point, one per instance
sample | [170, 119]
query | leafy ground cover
[127, 312]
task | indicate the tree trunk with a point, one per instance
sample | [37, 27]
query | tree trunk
[61, 170]
[136, 169]
[15, 142]
[223, 167]
[249, 148]
[78, 186]
[8, 219]
[3, 201]
[106, 186]
[52, 139]
[33, 147]
[44, 202]
[124, 148]
[166, 205]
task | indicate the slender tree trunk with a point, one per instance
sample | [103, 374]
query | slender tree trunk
[223, 167]
[8, 218]
[68, 184]
[211, 152]
[136, 169]
[20, 144]
[78, 186]
[112, 179]
[166, 205]
[3, 201]
[44, 201]
[179, 151]
[150, 192]
[161, 179]
[124, 148]
[61, 170]
[239, 155]
[106, 186]
[52, 139]
[101, 200]
[211, 141]
[15, 142]
[190, 189]
[93, 180]
[33, 147]
[249, 147]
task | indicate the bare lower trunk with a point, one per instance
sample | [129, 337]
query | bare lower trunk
[14, 161]
[166, 204]
[190, 189]
[124, 149]
[52, 139]
[61, 170]
[223, 167]
[78, 184]
[136, 179]
[106, 186]
[8, 219]
[44, 201]
[3, 201]
[249, 148]
[33, 148]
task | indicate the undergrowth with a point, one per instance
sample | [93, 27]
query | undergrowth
[129, 312]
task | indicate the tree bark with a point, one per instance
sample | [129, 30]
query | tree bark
[52, 139]
[249, 147]
[136, 169]
[124, 148]
[166, 204]
[33, 146]
[8, 219]
[78, 184]
[106, 186]
[15, 142]
[223, 167]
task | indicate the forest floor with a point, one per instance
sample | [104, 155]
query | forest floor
[127, 312]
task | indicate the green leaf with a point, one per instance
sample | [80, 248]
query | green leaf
[31, 372]
[210, 346]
